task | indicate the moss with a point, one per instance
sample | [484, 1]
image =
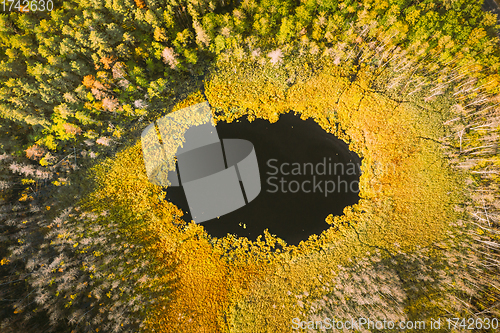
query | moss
[408, 193]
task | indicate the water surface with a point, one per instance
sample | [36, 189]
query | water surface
[294, 155]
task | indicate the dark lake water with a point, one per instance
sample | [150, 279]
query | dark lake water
[299, 164]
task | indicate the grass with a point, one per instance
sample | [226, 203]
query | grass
[408, 195]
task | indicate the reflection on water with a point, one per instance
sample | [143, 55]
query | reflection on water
[305, 174]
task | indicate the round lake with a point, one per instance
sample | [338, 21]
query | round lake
[305, 175]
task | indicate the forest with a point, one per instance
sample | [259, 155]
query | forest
[88, 243]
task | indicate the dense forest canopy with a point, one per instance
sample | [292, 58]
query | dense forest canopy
[88, 244]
